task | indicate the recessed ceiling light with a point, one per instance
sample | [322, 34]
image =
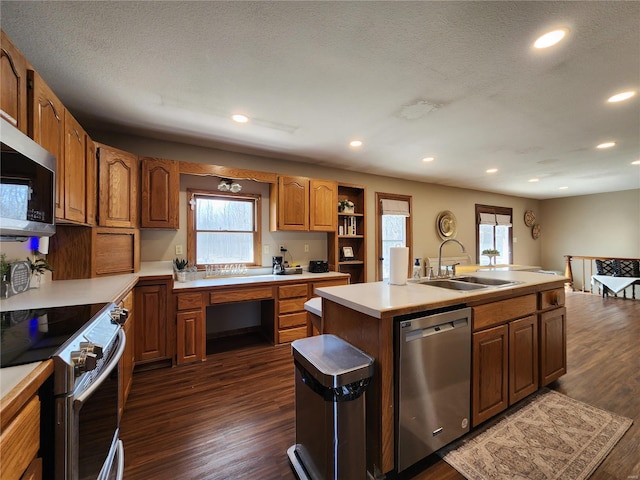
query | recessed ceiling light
[355, 143]
[492, 170]
[239, 118]
[533, 180]
[550, 38]
[428, 159]
[562, 188]
[621, 97]
[606, 145]
[635, 162]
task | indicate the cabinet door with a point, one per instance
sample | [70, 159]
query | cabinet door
[490, 373]
[75, 170]
[13, 85]
[323, 205]
[117, 188]
[127, 361]
[293, 203]
[523, 358]
[46, 127]
[151, 323]
[160, 193]
[191, 337]
[553, 345]
[91, 183]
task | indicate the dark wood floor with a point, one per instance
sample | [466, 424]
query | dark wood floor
[232, 417]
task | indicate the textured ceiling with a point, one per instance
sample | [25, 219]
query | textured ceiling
[456, 80]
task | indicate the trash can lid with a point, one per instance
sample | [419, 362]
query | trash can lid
[331, 360]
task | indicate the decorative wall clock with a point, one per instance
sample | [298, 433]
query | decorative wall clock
[529, 218]
[535, 231]
[446, 224]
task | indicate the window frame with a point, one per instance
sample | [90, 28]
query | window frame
[408, 230]
[497, 211]
[191, 222]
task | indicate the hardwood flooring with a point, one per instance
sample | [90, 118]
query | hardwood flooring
[232, 417]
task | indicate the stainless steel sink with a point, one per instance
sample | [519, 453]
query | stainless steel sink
[451, 284]
[495, 282]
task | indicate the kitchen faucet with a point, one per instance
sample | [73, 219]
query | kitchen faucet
[440, 253]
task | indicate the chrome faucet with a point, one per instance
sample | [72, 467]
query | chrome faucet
[439, 274]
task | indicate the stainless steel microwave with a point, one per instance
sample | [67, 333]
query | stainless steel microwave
[27, 186]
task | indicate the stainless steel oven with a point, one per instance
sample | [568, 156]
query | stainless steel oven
[80, 405]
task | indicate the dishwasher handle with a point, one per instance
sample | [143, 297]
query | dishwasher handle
[435, 329]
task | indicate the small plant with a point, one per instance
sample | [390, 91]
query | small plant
[5, 267]
[490, 251]
[342, 204]
[180, 264]
[39, 266]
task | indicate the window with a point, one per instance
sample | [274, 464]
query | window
[223, 228]
[394, 229]
[493, 232]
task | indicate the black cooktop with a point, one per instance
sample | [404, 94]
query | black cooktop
[34, 335]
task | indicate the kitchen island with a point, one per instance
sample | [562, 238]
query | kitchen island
[518, 342]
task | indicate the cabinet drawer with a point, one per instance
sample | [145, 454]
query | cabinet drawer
[292, 320]
[291, 291]
[291, 334]
[20, 441]
[495, 313]
[240, 295]
[292, 305]
[551, 298]
[327, 283]
[189, 301]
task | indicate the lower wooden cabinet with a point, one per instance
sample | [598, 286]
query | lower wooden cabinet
[490, 373]
[553, 345]
[127, 362]
[523, 358]
[152, 330]
[291, 315]
[190, 329]
[20, 442]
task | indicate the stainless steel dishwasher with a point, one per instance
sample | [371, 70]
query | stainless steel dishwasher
[433, 355]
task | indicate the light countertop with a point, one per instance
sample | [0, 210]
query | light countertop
[376, 298]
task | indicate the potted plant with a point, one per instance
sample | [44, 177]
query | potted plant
[346, 206]
[38, 266]
[180, 265]
[5, 268]
[492, 253]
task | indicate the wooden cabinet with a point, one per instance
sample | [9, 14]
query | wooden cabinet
[505, 355]
[190, 328]
[20, 442]
[75, 171]
[13, 84]
[160, 189]
[117, 187]
[291, 317]
[303, 204]
[91, 186]
[323, 201]
[46, 127]
[553, 335]
[153, 334]
[353, 236]
[127, 362]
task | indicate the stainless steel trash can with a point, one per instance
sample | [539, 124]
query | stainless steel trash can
[331, 377]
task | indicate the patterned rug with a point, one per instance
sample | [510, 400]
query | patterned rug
[550, 436]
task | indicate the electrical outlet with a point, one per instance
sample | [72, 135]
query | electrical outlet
[265, 249]
[179, 250]
[306, 247]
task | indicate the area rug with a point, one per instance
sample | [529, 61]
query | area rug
[549, 436]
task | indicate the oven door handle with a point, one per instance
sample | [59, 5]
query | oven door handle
[113, 363]
[120, 455]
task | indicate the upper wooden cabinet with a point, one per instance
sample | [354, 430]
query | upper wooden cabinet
[75, 170]
[13, 84]
[92, 179]
[299, 203]
[323, 203]
[117, 187]
[160, 185]
[46, 127]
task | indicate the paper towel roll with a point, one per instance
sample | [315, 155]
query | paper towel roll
[398, 265]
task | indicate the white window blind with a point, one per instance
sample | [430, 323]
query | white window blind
[504, 220]
[395, 207]
[487, 219]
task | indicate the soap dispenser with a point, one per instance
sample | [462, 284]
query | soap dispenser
[417, 269]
